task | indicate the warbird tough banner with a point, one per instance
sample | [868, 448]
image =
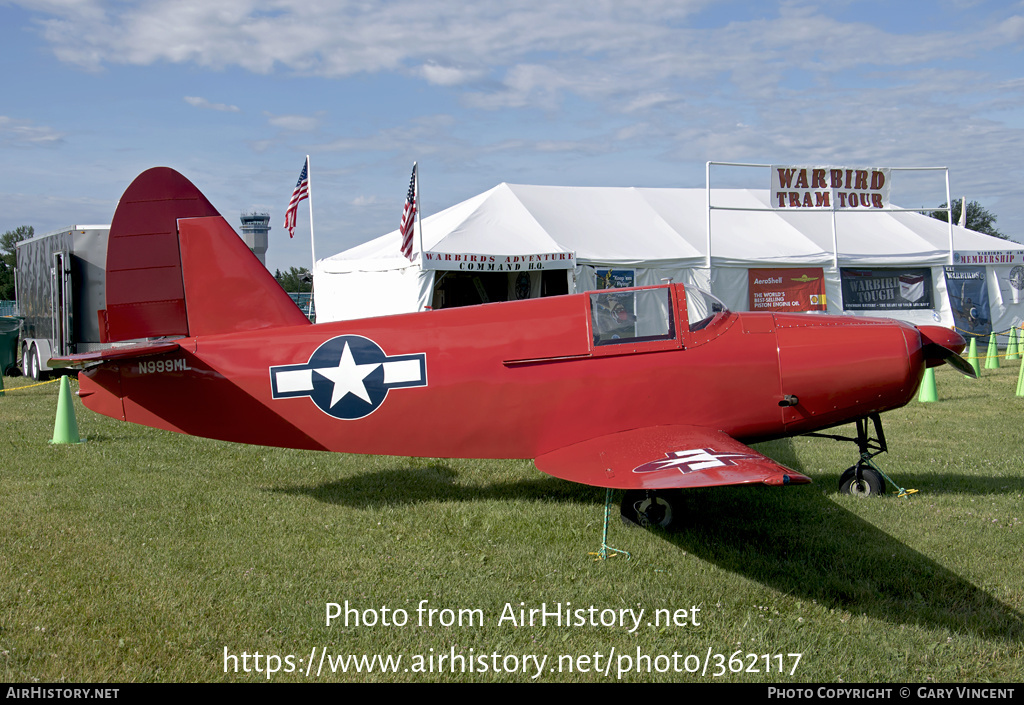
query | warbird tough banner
[882, 289]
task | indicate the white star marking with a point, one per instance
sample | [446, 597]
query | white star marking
[699, 459]
[348, 377]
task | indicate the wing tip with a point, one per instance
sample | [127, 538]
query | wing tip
[787, 478]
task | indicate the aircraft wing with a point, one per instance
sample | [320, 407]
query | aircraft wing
[665, 457]
[120, 352]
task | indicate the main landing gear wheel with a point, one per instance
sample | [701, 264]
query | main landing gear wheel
[644, 508]
[870, 484]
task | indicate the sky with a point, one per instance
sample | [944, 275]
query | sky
[235, 93]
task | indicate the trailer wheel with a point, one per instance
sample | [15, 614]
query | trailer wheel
[26, 361]
[35, 369]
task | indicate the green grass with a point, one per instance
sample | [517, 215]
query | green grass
[142, 555]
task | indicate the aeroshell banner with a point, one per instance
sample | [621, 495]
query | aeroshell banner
[967, 289]
[469, 262]
[886, 289]
[830, 187]
[787, 289]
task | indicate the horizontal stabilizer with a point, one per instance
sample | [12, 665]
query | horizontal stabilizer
[665, 457]
[121, 352]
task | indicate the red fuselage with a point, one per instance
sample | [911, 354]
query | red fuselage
[514, 380]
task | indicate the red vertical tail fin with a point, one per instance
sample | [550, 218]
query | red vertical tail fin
[175, 267]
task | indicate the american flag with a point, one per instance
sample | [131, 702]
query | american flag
[301, 192]
[409, 217]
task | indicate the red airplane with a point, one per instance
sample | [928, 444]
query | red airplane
[646, 390]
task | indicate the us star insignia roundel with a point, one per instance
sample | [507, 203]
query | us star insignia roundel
[348, 377]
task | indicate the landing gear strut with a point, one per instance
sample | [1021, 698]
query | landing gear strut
[864, 479]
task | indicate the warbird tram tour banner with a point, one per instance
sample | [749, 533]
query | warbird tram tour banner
[829, 188]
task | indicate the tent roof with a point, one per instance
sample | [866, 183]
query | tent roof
[666, 227]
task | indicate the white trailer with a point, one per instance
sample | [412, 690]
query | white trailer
[61, 286]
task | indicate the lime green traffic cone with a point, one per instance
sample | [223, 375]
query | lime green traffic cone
[1012, 351]
[992, 354]
[972, 357]
[65, 428]
[1020, 381]
[928, 391]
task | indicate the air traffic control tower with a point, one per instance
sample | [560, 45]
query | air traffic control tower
[255, 227]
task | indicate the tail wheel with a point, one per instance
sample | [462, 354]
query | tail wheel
[870, 484]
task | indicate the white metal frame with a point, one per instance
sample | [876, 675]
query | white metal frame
[835, 236]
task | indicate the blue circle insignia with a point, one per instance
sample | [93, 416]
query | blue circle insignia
[348, 377]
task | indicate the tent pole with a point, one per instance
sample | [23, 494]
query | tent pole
[707, 188]
[949, 217]
[835, 235]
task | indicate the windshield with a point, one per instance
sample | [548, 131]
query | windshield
[702, 307]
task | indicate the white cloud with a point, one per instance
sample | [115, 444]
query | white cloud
[22, 133]
[294, 123]
[449, 75]
[198, 102]
[678, 81]
[622, 51]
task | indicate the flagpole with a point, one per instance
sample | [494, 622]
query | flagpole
[309, 191]
[419, 208]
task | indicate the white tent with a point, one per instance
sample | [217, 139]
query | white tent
[657, 234]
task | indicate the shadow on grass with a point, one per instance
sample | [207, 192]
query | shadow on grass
[795, 540]
[800, 542]
[436, 482]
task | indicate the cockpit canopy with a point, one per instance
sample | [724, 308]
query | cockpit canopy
[646, 315]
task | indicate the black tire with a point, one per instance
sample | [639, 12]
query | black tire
[871, 483]
[37, 369]
[643, 508]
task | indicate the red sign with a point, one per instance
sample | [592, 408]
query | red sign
[787, 289]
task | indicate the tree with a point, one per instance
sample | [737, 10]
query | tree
[296, 280]
[978, 219]
[9, 258]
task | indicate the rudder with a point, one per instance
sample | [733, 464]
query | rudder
[175, 267]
